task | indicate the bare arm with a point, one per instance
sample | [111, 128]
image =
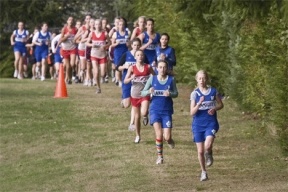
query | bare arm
[129, 75]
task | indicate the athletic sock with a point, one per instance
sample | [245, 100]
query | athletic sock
[159, 147]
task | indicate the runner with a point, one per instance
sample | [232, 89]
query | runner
[140, 27]
[81, 38]
[205, 101]
[30, 53]
[18, 40]
[42, 39]
[56, 47]
[163, 89]
[120, 42]
[98, 52]
[150, 39]
[126, 61]
[165, 52]
[138, 74]
[68, 48]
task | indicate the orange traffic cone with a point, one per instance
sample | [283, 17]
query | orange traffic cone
[61, 91]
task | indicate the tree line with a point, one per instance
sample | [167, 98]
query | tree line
[241, 43]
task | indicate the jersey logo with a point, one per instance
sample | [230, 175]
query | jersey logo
[168, 124]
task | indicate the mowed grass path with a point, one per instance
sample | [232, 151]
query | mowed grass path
[82, 143]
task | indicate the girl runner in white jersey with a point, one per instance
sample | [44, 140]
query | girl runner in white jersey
[98, 39]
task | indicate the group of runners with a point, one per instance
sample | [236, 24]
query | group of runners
[141, 63]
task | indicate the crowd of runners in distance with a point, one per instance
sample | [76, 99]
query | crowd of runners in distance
[139, 61]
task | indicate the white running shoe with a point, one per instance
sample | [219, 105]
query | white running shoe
[19, 76]
[137, 139]
[204, 176]
[94, 82]
[42, 78]
[89, 84]
[33, 78]
[113, 79]
[120, 84]
[131, 127]
[159, 160]
[15, 73]
[25, 74]
[106, 79]
[85, 83]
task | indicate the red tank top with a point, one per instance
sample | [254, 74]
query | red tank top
[69, 44]
[101, 40]
[145, 72]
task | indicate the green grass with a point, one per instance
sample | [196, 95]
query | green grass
[82, 143]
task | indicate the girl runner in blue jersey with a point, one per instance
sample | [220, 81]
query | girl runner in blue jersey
[150, 39]
[18, 40]
[42, 40]
[205, 101]
[165, 52]
[163, 89]
[119, 41]
[126, 61]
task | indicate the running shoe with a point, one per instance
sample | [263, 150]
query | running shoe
[120, 84]
[42, 78]
[15, 74]
[137, 139]
[19, 76]
[131, 127]
[113, 79]
[106, 79]
[89, 84]
[209, 158]
[94, 82]
[33, 78]
[171, 144]
[145, 121]
[25, 74]
[159, 160]
[98, 91]
[204, 176]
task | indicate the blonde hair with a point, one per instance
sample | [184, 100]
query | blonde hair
[203, 72]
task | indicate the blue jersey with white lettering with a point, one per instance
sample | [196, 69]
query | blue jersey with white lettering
[201, 117]
[150, 51]
[43, 38]
[159, 102]
[122, 47]
[20, 38]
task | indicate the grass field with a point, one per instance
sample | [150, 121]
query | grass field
[82, 143]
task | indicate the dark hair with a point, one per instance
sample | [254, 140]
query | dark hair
[150, 19]
[166, 34]
[136, 40]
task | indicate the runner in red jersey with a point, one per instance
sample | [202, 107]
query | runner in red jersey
[99, 45]
[68, 48]
[138, 74]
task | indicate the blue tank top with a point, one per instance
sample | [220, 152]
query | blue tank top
[121, 47]
[130, 59]
[159, 102]
[19, 39]
[167, 52]
[43, 38]
[150, 51]
[202, 117]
